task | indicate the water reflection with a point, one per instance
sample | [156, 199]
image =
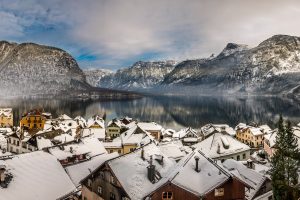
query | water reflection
[173, 112]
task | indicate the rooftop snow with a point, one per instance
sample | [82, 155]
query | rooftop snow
[218, 145]
[37, 175]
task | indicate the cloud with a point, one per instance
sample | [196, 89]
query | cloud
[117, 32]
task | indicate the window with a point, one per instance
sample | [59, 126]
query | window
[112, 179]
[132, 149]
[112, 196]
[89, 182]
[18, 143]
[244, 156]
[99, 190]
[167, 195]
[111, 151]
[219, 192]
[238, 157]
[102, 175]
[119, 151]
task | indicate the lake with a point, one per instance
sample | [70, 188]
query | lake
[172, 112]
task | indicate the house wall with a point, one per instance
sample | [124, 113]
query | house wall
[14, 145]
[6, 121]
[105, 182]
[33, 122]
[246, 136]
[233, 189]
[268, 149]
[244, 155]
[178, 193]
[112, 150]
[89, 195]
[129, 148]
[113, 131]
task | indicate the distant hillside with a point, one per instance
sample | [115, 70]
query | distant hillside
[273, 67]
[30, 69]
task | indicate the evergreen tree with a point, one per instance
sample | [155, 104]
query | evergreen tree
[285, 163]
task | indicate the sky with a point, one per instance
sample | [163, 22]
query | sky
[113, 34]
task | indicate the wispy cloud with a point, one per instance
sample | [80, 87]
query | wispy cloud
[114, 33]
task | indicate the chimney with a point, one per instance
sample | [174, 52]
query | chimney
[250, 164]
[142, 153]
[197, 164]
[151, 171]
[2, 175]
[71, 149]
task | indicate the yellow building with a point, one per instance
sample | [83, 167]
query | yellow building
[113, 129]
[33, 120]
[6, 117]
[252, 136]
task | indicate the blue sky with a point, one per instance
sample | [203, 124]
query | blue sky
[116, 33]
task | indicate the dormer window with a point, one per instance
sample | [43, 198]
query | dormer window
[167, 195]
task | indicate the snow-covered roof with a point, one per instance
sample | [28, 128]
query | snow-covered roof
[149, 126]
[134, 135]
[95, 120]
[69, 150]
[256, 131]
[173, 150]
[137, 185]
[265, 128]
[218, 145]
[94, 132]
[271, 138]
[116, 144]
[209, 177]
[186, 132]
[37, 175]
[43, 143]
[7, 112]
[94, 145]
[64, 117]
[246, 175]
[116, 122]
[241, 126]
[80, 170]
[168, 132]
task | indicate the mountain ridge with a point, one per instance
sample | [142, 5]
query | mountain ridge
[272, 67]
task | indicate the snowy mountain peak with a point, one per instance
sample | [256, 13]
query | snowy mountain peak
[233, 48]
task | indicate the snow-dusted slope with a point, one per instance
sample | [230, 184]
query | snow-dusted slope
[94, 76]
[142, 75]
[35, 69]
[273, 67]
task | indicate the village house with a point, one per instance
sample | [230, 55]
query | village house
[155, 176]
[220, 146]
[153, 128]
[259, 184]
[77, 151]
[252, 136]
[6, 117]
[113, 128]
[188, 136]
[270, 141]
[129, 140]
[36, 175]
[33, 121]
[112, 180]
[209, 129]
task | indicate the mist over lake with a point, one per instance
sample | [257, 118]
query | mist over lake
[172, 112]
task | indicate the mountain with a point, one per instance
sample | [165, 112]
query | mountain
[36, 69]
[272, 67]
[30, 69]
[94, 76]
[140, 76]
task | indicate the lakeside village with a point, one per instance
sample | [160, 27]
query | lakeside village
[91, 159]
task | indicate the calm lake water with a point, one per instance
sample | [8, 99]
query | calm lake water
[171, 112]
